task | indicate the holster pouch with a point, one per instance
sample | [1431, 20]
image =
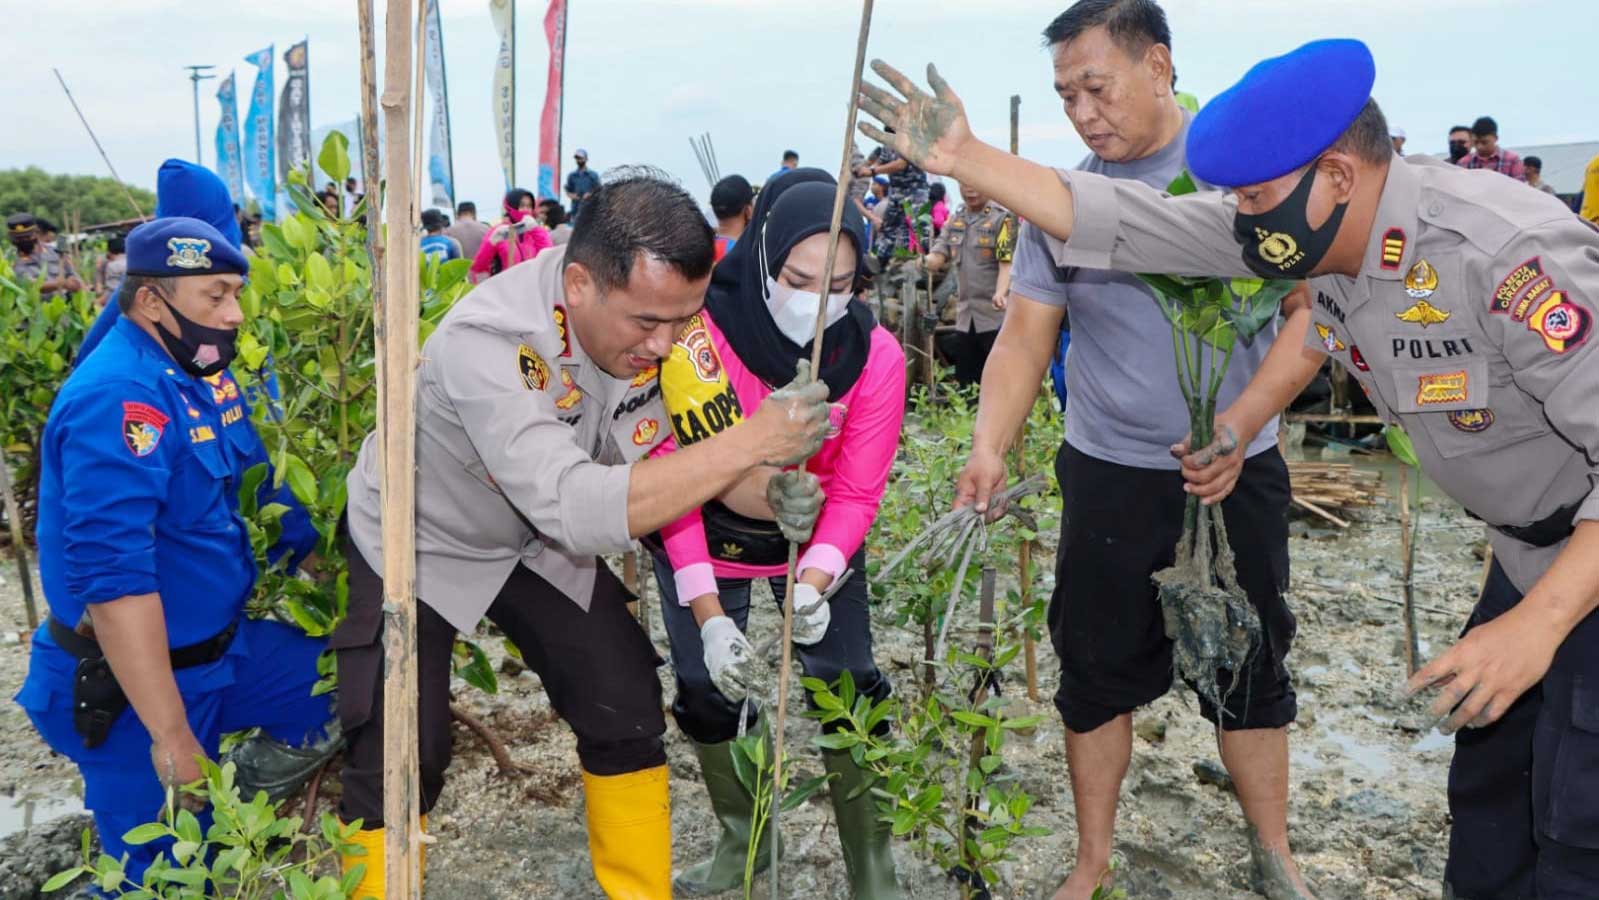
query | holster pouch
[97, 701]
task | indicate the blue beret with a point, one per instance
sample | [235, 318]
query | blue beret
[1281, 115]
[179, 246]
[185, 189]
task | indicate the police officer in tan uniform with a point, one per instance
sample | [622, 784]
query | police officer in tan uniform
[1465, 305]
[537, 400]
[980, 238]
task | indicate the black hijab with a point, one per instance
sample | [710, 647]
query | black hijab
[790, 208]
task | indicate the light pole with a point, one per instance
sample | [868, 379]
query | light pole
[198, 74]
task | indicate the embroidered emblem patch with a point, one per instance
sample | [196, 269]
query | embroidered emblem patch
[1357, 359]
[142, 425]
[201, 434]
[1519, 277]
[223, 388]
[731, 550]
[1329, 338]
[1563, 325]
[645, 431]
[645, 377]
[1421, 281]
[1532, 297]
[535, 374]
[1436, 390]
[1393, 248]
[1423, 313]
[696, 340]
[189, 253]
[560, 328]
[1471, 421]
[573, 395]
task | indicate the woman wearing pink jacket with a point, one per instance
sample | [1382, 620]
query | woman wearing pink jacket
[756, 329]
[518, 238]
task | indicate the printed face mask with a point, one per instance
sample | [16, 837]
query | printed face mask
[200, 350]
[1279, 243]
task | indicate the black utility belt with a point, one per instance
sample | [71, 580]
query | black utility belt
[97, 699]
[735, 538]
[1546, 532]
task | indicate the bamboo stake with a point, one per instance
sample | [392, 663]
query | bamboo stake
[118, 178]
[1307, 505]
[840, 194]
[985, 649]
[396, 351]
[19, 549]
[1408, 550]
[1025, 556]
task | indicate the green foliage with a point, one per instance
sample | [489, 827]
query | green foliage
[1400, 445]
[753, 758]
[37, 341]
[91, 198]
[250, 852]
[940, 782]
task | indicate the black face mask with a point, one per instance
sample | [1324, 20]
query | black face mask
[201, 351]
[24, 245]
[1457, 149]
[1279, 243]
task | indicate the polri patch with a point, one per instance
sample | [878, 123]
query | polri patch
[1471, 421]
[1421, 281]
[1519, 277]
[695, 339]
[142, 426]
[1329, 339]
[1393, 248]
[645, 431]
[1442, 388]
[1563, 325]
[1532, 297]
[573, 395]
[535, 373]
[1423, 313]
[189, 253]
[645, 377]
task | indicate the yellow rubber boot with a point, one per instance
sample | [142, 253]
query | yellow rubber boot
[374, 881]
[630, 834]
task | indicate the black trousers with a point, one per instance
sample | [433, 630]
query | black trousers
[971, 349]
[1524, 792]
[598, 668]
[1119, 526]
[703, 712]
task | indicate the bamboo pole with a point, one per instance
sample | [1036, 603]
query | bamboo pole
[1025, 556]
[103, 157]
[1408, 550]
[840, 194]
[985, 650]
[396, 350]
[19, 548]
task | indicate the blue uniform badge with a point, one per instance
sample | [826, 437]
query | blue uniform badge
[189, 253]
[142, 425]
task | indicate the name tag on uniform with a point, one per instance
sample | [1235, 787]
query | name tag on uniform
[1451, 384]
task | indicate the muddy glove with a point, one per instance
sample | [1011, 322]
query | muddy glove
[812, 614]
[728, 657]
[796, 500]
[797, 418]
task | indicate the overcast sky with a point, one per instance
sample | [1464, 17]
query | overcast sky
[759, 75]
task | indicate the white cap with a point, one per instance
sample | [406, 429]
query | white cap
[1396, 132]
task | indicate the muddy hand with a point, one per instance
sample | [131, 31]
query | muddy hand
[812, 614]
[982, 484]
[795, 419]
[928, 129]
[796, 500]
[1488, 670]
[177, 763]
[729, 658]
[1212, 473]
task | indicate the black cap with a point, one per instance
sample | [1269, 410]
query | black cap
[730, 196]
[21, 225]
[432, 218]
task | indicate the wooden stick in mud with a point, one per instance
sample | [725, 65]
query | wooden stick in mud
[396, 352]
[985, 650]
[1025, 556]
[19, 547]
[1408, 550]
[1307, 505]
[840, 195]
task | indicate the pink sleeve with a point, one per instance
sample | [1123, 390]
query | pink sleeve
[854, 487]
[541, 240]
[483, 263]
[686, 548]
[940, 215]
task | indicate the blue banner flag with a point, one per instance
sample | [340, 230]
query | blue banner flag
[229, 167]
[260, 168]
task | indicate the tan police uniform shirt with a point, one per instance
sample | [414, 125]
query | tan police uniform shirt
[977, 242]
[1471, 324]
[524, 448]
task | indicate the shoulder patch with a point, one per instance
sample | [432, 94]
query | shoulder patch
[559, 315]
[142, 426]
[535, 373]
[1504, 295]
[695, 339]
[1563, 325]
[1393, 248]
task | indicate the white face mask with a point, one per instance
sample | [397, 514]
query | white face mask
[794, 310]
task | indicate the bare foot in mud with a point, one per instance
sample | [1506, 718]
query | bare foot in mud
[1080, 885]
[1277, 876]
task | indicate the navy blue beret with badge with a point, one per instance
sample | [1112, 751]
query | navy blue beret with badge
[179, 247]
[1282, 114]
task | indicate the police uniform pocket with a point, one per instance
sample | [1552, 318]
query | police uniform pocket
[1465, 409]
[1574, 793]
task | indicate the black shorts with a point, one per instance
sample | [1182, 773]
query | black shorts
[1119, 525]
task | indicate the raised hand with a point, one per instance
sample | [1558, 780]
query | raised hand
[927, 129]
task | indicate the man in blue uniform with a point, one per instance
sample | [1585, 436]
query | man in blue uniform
[146, 660]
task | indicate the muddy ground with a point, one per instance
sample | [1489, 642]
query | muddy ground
[1368, 816]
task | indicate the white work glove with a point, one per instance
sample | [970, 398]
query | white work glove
[728, 657]
[795, 497]
[812, 614]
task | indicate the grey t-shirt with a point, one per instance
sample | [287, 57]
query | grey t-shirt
[1123, 403]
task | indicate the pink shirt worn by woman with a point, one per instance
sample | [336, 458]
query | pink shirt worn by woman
[527, 245]
[853, 466]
